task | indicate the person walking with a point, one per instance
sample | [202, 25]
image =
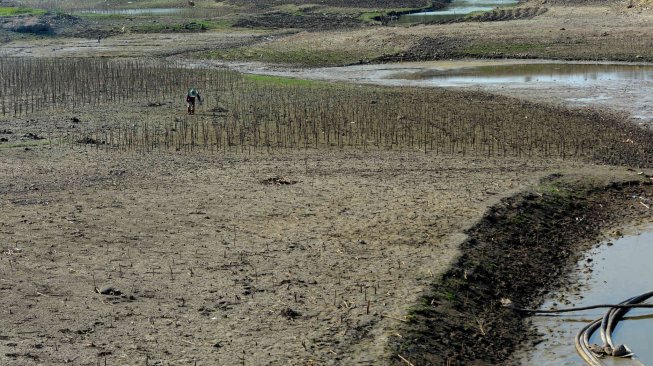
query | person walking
[191, 97]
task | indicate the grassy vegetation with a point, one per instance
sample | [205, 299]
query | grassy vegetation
[163, 24]
[504, 48]
[12, 11]
[369, 17]
[101, 16]
[295, 56]
[566, 48]
[281, 81]
[23, 144]
[161, 27]
[291, 9]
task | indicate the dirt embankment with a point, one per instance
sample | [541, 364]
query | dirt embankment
[370, 4]
[310, 22]
[51, 24]
[26, 24]
[521, 249]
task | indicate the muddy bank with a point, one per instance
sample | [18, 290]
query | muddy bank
[370, 4]
[521, 249]
[497, 15]
[626, 97]
[310, 22]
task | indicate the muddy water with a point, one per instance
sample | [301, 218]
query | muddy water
[609, 274]
[568, 73]
[621, 87]
[456, 9]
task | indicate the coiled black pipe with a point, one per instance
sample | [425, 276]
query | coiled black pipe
[590, 353]
[614, 315]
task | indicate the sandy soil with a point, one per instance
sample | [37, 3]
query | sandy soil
[214, 266]
[598, 32]
[129, 45]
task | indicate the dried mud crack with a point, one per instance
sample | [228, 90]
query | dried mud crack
[520, 250]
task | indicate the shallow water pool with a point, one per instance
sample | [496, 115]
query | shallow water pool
[609, 274]
[567, 73]
[456, 9]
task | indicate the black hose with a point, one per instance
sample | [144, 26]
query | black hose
[590, 353]
[582, 344]
[568, 310]
[610, 320]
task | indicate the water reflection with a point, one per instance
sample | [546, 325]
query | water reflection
[457, 8]
[573, 74]
[619, 272]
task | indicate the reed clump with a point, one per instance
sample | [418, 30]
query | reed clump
[259, 114]
[31, 85]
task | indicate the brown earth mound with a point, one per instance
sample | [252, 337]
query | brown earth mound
[26, 24]
[45, 24]
[498, 15]
[370, 4]
[315, 22]
[508, 14]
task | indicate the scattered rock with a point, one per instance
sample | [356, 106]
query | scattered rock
[290, 313]
[278, 180]
[74, 120]
[596, 349]
[194, 26]
[110, 291]
[87, 140]
[205, 310]
[33, 136]
[621, 351]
